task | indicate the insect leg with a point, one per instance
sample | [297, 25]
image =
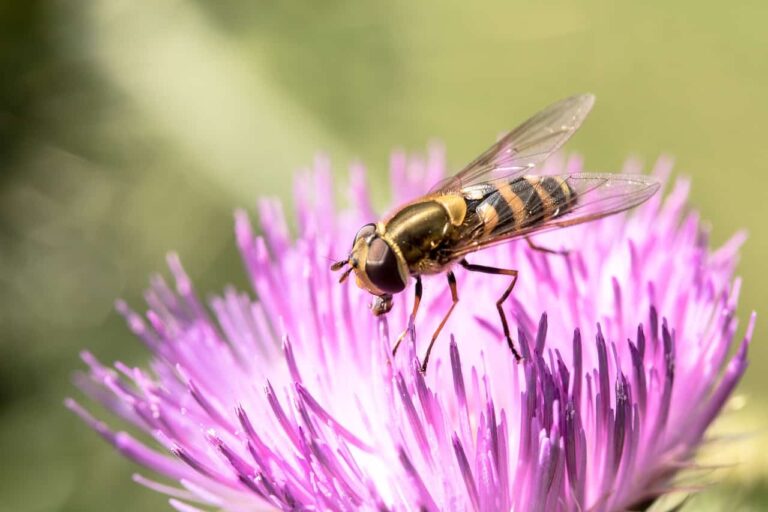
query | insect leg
[455, 297]
[539, 248]
[499, 303]
[416, 302]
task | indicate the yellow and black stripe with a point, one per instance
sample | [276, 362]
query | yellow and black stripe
[522, 203]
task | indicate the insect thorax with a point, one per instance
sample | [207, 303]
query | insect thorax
[422, 231]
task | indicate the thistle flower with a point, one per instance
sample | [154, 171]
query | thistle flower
[292, 400]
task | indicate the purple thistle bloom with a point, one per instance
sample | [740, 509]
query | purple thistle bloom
[293, 401]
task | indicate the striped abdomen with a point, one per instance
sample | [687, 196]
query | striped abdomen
[522, 203]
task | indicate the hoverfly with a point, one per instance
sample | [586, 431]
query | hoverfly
[499, 196]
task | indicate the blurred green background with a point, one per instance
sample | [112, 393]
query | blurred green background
[130, 128]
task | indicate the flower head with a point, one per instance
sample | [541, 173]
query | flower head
[292, 400]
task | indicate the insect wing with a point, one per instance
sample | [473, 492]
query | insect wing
[594, 196]
[522, 149]
[601, 195]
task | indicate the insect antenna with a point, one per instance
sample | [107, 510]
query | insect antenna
[338, 265]
[345, 275]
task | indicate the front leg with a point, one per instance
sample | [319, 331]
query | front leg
[455, 297]
[416, 302]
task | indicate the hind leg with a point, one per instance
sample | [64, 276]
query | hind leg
[499, 303]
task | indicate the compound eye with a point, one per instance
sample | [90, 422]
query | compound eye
[365, 232]
[381, 267]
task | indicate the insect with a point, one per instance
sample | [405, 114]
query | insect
[500, 196]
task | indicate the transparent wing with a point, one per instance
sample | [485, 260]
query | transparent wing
[594, 196]
[522, 149]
